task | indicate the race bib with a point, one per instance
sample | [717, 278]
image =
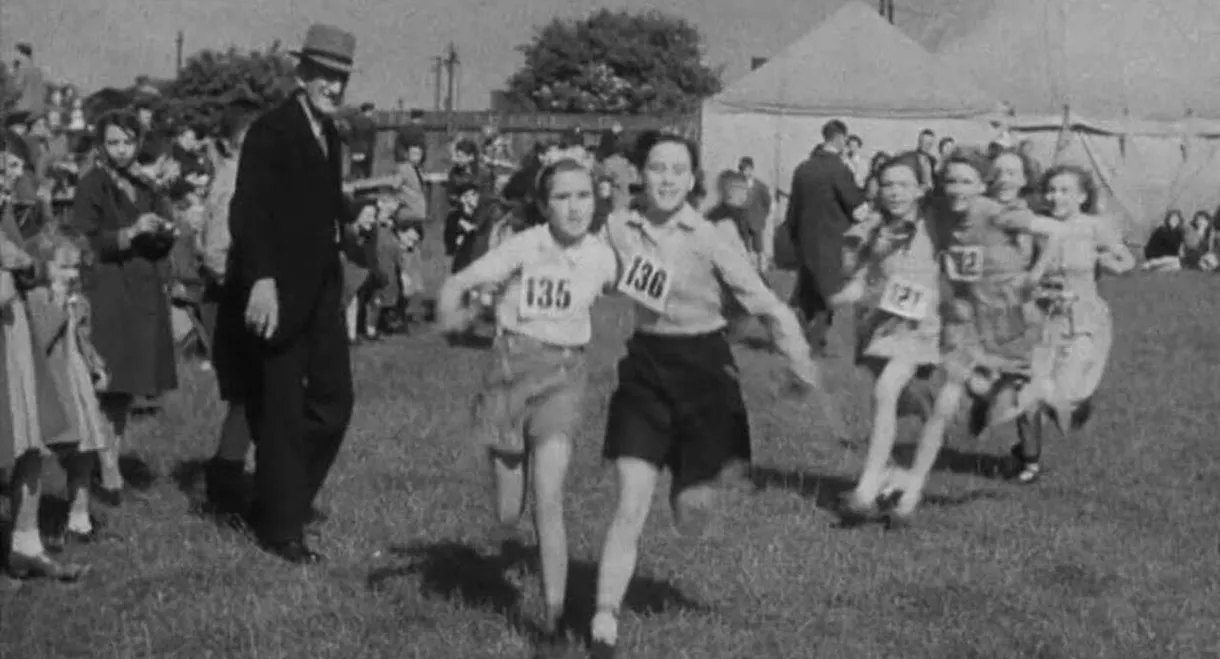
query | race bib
[647, 281]
[905, 299]
[964, 263]
[545, 292]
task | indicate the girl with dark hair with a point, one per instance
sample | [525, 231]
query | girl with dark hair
[126, 223]
[891, 265]
[533, 395]
[1163, 253]
[678, 404]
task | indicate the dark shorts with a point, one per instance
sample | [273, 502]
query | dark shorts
[678, 405]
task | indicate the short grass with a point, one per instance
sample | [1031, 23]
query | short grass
[1113, 555]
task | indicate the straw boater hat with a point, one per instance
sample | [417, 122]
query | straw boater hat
[328, 46]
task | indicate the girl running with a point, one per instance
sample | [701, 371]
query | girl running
[990, 331]
[678, 404]
[535, 388]
[1079, 326]
[892, 264]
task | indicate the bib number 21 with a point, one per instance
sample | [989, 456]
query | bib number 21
[647, 282]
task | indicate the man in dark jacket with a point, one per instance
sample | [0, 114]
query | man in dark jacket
[825, 200]
[280, 318]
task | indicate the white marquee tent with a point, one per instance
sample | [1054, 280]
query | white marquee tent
[1129, 88]
[855, 66]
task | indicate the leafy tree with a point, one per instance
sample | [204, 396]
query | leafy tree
[615, 62]
[210, 79]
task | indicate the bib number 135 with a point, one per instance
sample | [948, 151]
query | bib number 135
[543, 295]
[647, 282]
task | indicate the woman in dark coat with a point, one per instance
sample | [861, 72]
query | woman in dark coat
[127, 224]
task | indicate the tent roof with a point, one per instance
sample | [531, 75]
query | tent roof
[857, 64]
[1105, 59]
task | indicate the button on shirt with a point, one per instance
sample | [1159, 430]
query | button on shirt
[551, 287]
[703, 262]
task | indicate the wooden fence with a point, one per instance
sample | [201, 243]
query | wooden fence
[442, 129]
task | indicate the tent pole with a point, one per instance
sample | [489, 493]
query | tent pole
[1064, 131]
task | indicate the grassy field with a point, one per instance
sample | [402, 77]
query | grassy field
[1114, 554]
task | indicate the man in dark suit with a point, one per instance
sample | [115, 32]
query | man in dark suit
[825, 200]
[287, 348]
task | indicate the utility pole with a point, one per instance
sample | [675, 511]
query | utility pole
[891, 11]
[451, 64]
[178, 61]
[436, 81]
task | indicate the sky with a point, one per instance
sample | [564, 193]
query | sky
[98, 43]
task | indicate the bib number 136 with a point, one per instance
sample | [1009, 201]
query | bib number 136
[647, 282]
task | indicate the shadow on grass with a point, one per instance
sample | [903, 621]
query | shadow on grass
[457, 571]
[470, 341]
[136, 472]
[827, 490]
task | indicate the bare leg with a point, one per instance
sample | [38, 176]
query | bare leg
[549, 467]
[508, 484]
[117, 410]
[930, 441]
[894, 377]
[637, 481]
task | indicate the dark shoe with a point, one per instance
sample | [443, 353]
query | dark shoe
[1082, 414]
[599, 649]
[316, 517]
[224, 481]
[293, 551]
[43, 567]
[108, 497]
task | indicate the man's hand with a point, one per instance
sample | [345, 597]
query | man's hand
[367, 218]
[263, 309]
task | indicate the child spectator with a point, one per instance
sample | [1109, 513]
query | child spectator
[410, 233]
[461, 225]
[60, 323]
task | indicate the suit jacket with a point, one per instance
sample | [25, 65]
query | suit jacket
[824, 194]
[286, 213]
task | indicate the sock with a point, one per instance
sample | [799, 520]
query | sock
[78, 514]
[27, 543]
[605, 627]
[79, 522]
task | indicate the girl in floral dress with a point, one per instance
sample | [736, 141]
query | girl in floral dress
[1079, 327]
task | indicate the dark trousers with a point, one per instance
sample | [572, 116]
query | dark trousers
[814, 309]
[298, 413]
